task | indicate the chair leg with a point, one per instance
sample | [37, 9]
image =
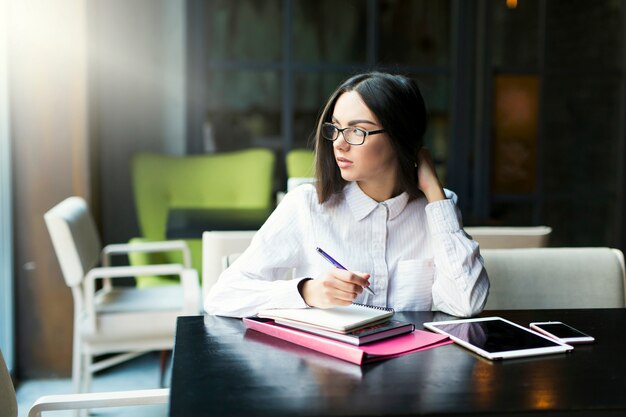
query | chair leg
[87, 372]
[86, 380]
[77, 365]
[77, 372]
[165, 355]
[162, 367]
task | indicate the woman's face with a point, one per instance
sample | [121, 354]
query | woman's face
[373, 164]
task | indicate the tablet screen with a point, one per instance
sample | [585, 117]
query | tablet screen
[495, 337]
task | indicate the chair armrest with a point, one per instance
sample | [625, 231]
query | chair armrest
[191, 292]
[89, 282]
[163, 246]
[130, 271]
[99, 400]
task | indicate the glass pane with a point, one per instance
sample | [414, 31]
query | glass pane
[243, 110]
[581, 138]
[414, 32]
[511, 214]
[436, 93]
[330, 31]
[514, 125]
[515, 33]
[311, 92]
[244, 30]
[584, 33]
[585, 222]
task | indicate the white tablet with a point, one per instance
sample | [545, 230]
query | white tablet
[497, 338]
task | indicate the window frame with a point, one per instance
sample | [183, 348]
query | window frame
[459, 101]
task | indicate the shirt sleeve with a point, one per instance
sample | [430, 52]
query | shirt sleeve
[461, 284]
[262, 277]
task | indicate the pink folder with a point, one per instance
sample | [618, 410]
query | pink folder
[383, 349]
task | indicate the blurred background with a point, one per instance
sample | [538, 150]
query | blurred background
[527, 103]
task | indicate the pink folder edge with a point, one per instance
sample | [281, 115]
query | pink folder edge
[388, 348]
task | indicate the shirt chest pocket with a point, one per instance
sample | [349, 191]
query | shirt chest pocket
[414, 282]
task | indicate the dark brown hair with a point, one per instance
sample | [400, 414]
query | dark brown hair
[398, 104]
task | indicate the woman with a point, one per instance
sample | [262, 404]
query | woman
[378, 208]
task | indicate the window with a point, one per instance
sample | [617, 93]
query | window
[261, 71]
[526, 103]
[555, 79]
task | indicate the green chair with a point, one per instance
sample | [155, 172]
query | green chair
[227, 181]
[300, 163]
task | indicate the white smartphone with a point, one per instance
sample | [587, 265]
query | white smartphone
[561, 331]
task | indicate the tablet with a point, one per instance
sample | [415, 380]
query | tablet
[497, 338]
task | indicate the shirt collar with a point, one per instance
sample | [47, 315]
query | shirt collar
[362, 205]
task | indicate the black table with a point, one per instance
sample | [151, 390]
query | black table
[220, 369]
[189, 223]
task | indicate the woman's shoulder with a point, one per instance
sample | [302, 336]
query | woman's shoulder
[306, 194]
[302, 194]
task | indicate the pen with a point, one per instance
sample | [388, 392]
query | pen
[338, 265]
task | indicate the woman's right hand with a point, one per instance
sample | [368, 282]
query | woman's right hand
[427, 179]
[337, 287]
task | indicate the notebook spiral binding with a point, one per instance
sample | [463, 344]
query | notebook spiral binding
[374, 307]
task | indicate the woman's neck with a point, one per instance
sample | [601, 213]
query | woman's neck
[379, 191]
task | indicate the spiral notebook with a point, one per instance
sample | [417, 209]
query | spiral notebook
[337, 319]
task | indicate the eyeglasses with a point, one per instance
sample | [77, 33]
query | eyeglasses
[352, 135]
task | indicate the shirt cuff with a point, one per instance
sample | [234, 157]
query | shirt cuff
[290, 297]
[442, 217]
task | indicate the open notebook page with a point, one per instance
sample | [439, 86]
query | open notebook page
[341, 319]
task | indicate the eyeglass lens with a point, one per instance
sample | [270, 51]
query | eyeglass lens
[352, 135]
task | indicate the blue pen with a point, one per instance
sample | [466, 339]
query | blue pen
[338, 265]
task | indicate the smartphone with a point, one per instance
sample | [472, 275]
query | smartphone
[561, 331]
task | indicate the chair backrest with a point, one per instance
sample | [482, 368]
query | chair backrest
[300, 163]
[215, 246]
[510, 237]
[75, 238]
[241, 179]
[294, 182]
[8, 402]
[552, 278]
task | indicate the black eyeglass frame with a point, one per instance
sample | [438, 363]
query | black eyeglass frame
[339, 130]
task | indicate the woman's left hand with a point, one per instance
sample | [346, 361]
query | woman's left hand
[427, 179]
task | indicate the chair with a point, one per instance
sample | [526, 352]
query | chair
[300, 163]
[233, 180]
[220, 250]
[217, 247]
[552, 278]
[115, 319]
[510, 237]
[8, 401]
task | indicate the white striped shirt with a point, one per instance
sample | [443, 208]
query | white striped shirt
[417, 253]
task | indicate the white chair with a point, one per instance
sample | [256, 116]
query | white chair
[8, 401]
[123, 320]
[510, 237]
[216, 247]
[292, 183]
[553, 278]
